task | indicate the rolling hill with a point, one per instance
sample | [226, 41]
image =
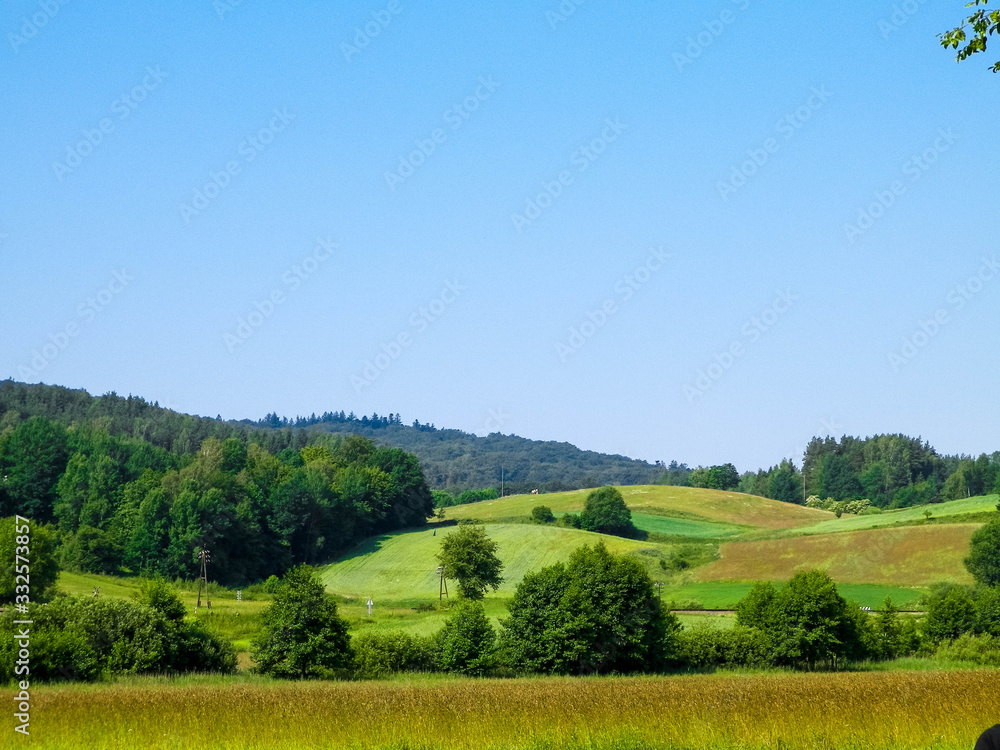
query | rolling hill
[726, 509]
[402, 564]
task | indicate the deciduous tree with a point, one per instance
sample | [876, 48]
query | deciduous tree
[469, 556]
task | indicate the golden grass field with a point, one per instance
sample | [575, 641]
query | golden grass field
[713, 505]
[878, 710]
[904, 556]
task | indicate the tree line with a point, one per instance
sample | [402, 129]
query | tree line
[890, 471]
[121, 505]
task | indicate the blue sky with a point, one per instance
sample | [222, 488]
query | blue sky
[702, 232]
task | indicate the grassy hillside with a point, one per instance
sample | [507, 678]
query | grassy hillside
[949, 510]
[731, 508]
[905, 556]
[402, 565]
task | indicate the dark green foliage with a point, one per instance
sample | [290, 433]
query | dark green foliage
[674, 475]
[975, 649]
[469, 557]
[442, 499]
[570, 521]
[709, 648]
[124, 505]
[889, 636]
[988, 610]
[91, 550]
[950, 613]
[85, 638]
[380, 654]
[302, 634]
[837, 478]
[467, 642]
[785, 486]
[32, 457]
[41, 554]
[983, 561]
[595, 614]
[157, 594]
[605, 512]
[542, 514]
[445, 499]
[756, 609]
[724, 477]
[807, 622]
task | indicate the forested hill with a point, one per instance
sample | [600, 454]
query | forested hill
[456, 460]
[451, 459]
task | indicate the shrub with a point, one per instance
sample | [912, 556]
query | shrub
[85, 638]
[467, 642]
[605, 512]
[595, 614]
[951, 613]
[542, 514]
[705, 647]
[303, 636]
[378, 655]
[978, 649]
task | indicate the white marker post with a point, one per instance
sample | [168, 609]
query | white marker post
[370, 605]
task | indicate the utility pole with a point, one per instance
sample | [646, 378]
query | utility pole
[204, 557]
[443, 584]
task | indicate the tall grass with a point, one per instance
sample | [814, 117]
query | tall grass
[790, 711]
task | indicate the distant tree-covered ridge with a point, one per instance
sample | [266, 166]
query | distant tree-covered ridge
[890, 471]
[452, 460]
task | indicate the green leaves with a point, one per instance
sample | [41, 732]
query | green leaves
[605, 512]
[983, 23]
[983, 561]
[469, 556]
[597, 614]
[303, 636]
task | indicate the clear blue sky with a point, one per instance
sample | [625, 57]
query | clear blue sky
[164, 170]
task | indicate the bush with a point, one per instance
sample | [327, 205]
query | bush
[303, 636]
[85, 638]
[542, 514]
[595, 614]
[91, 550]
[950, 613]
[983, 561]
[978, 649]
[378, 655]
[467, 642]
[605, 512]
[988, 611]
[570, 521]
[807, 622]
[704, 647]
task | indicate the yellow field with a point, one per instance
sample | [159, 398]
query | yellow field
[905, 556]
[945, 710]
[713, 505]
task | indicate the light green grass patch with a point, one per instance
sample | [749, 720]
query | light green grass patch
[684, 527]
[402, 564]
[727, 594]
[950, 509]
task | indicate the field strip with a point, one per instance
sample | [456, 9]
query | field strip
[903, 556]
[876, 711]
